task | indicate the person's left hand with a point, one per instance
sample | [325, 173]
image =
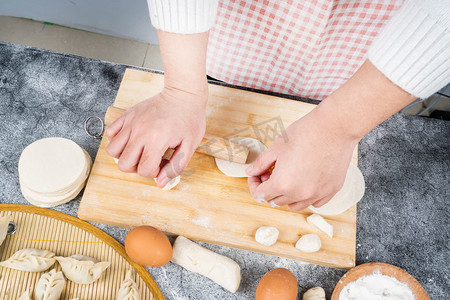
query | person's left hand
[310, 164]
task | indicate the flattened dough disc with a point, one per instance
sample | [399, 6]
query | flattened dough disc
[52, 164]
[44, 200]
[351, 192]
[238, 170]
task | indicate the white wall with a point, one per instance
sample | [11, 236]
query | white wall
[121, 18]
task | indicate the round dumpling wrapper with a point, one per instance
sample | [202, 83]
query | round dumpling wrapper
[351, 192]
[52, 200]
[51, 165]
[233, 169]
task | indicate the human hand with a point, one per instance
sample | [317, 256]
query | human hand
[310, 164]
[172, 119]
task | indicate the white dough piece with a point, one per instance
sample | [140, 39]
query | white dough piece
[50, 286]
[61, 196]
[321, 224]
[51, 164]
[42, 201]
[82, 257]
[4, 222]
[25, 296]
[171, 184]
[315, 293]
[82, 270]
[30, 260]
[233, 169]
[195, 258]
[309, 243]
[351, 192]
[266, 235]
[128, 289]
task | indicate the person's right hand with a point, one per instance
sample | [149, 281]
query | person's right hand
[172, 119]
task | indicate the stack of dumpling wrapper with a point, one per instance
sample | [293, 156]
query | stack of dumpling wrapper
[53, 171]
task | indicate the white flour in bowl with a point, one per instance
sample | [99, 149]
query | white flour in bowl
[376, 287]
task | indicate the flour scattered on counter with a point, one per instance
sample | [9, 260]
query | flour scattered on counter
[288, 264]
[202, 221]
[376, 287]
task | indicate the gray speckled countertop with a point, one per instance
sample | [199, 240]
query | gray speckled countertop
[403, 218]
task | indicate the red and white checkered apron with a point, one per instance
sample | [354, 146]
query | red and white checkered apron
[304, 48]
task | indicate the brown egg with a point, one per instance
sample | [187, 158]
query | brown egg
[278, 284]
[148, 246]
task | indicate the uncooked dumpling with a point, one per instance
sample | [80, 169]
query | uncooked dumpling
[4, 222]
[83, 258]
[233, 169]
[315, 293]
[82, 269]
[351, 192]
[50, 286]
[30, 260]
[128, 289]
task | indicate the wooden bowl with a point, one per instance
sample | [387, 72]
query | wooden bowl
[385, 269]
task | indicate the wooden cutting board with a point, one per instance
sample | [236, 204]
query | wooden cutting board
[207, 205]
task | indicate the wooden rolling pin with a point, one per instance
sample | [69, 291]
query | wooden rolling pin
[210, 145]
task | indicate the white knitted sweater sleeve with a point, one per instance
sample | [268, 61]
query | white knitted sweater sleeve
[413, 49]
[183, 16]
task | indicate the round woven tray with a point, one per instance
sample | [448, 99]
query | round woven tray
[66, 235]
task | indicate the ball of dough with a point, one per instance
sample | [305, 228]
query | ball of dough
[315, 293]
[351, 192]
[266, 235]
[309, 243]
[233, 169]
[321, 224]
